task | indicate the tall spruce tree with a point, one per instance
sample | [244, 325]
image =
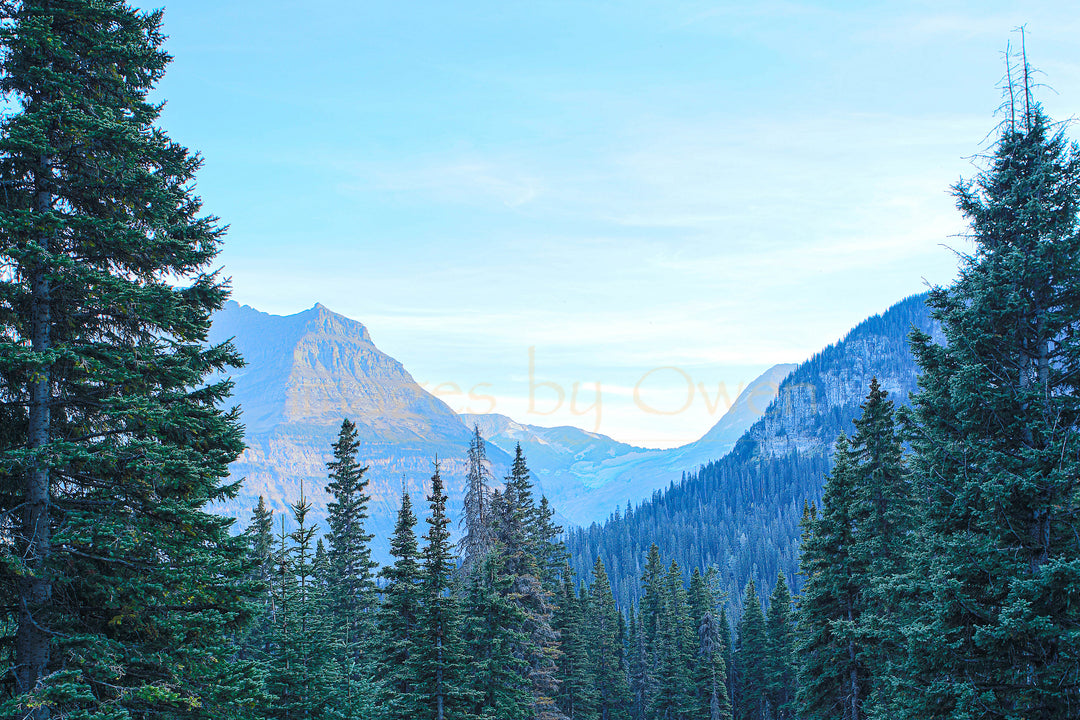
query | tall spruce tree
[996, 442]
[726, 649]
[780, 665]
[884, 518]
[260, 534]
[833, 678]
[123, 592]
[637, 665]
[476, 541]
[674, 652]
[751, 659]
[494, 638]
[710, 692]
[441, 663]
[399, 618]
[602, 633]
[652, 588]
[350, 578]
[302, 673]
[576, 698]
[522, 538]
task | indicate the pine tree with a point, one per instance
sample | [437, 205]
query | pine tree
[780, 666]
[551, 555]
[751, 659]
[602, 633]
[709, 669]
[125, 593]
[674, 651]
[883, 516]
[440, 659]
[350, 586]
[261, 539]
[576, 698]
[522, 538]
[302, 671]
[652, 598]
[833, 679]
[996, 447]
[476, 542]
[399, 617]
[726, 649]
[637, 667]
[498, 670]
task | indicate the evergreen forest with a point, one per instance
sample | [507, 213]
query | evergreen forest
[936, 574]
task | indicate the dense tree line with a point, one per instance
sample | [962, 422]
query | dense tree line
[502, 630]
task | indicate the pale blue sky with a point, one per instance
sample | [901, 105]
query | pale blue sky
[622, 186]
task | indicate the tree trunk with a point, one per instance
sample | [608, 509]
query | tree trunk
[35, 590]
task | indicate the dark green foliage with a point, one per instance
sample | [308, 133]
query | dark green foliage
[751, 660]
[122, 596]
[709, 668]
[637, 666]
[576, 698]
[399, 617]
[477, 540]
[996, 444]
[602, 636]
[726, 647]
[495, 641]
[302, 673]
[441, 663]
[833, 678]
[673, 652]
[524, 536]
[780, 665]
[350, 585]
[261, 548]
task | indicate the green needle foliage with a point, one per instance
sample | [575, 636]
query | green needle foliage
[124, 595]
[441, 663]
[350, 586]
[399, 617]
[780, 665]
[602, 634]
[751, 659]
[576, 699]
[997, 446]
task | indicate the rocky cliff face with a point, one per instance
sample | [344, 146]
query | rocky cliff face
[822, 396]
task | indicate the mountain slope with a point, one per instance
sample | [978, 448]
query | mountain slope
[741, 512]
[304, 373]
[587, 475]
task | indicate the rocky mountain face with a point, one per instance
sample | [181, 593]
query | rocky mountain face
[304, 374]
[741, 512]
[308, 371]
[820, 398]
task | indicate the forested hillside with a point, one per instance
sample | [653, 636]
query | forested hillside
[741, 512]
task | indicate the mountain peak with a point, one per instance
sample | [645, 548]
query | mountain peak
[326, 320]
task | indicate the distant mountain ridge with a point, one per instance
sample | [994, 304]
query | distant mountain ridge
[592, 475]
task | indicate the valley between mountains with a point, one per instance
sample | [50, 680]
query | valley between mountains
[307, 371]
